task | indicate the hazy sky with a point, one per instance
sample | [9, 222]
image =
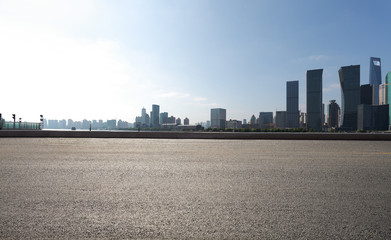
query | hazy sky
[108, 59]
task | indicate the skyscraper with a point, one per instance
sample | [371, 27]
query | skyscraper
[144, 117]
[314, 99]
[349, 77]
[163, 118]
[280, 119]
[111, 124]
[218, 117]
[292, 104]
[388, 95]
[265, 120]
[375, 78]
[366, 94]
[373, 117]
[382, 94]
[253, 122]
[155, 116]
[333, 114]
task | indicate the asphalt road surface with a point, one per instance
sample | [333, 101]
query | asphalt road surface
[194, 189]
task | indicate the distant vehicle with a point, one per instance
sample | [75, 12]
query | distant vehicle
[73, 128]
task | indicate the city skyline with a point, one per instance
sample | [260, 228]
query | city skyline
[103, 60]
[314, 92]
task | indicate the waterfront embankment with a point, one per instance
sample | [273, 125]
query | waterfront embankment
[198, 135]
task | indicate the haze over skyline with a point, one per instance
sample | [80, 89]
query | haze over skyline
[107, 60]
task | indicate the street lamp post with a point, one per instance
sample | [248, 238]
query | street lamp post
[41, 120]
[14, 117]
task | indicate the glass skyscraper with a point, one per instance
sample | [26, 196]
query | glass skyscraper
[388, 94]
[375, 78]
[163, 118]
[366, 94]
[292, 104]
[333, 114]
[314, 99]
[218, 117]
[155, 116]
[265, 120]
[349, 77]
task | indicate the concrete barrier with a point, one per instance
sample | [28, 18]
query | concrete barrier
[195, 135]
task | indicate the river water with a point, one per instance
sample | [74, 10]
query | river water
[199, 189]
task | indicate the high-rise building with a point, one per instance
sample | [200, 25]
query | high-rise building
[364, 117]
[382, 94]
[86, 124]
[388, 95]
[144, 117]
[155, 116]
[292, 104]
[234, 124]
[218, 117]
[138, 121]
[265, 120]
[186, 121]
[349, 77]
[375, 78]
[178, 121]
[122, 124]
[70, 123]
[323, 116]
[333, 114]
[53, 124]
[372, 117]
[111, 124]
[380, 117]
[253, 122]
[163, 118]
[366, 94]
[62, 124]
[314, 99]
[170, 120]
[281, 117]
[146, 120]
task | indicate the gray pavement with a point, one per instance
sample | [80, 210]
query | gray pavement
[198, 189]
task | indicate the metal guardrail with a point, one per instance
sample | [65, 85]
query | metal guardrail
[20, 125]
